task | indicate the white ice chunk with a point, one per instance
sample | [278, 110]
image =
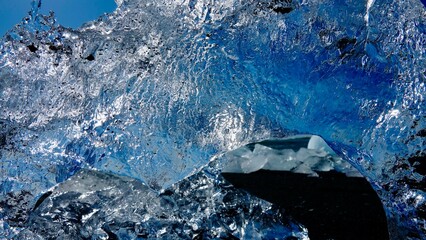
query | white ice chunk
[236, 159]
[316, 142]
[257, 159]
[284, 160]
[307, 157]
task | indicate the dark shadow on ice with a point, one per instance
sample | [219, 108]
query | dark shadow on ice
[331, 206]
[41, 199]
[309, 182]
[14, 208]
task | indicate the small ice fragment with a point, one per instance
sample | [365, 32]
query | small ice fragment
[316, 142]
[257, 160]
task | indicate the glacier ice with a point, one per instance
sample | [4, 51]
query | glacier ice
[97, 205]
[307, 154]
[158, 88]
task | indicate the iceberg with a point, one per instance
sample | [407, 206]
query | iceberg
[159, 89]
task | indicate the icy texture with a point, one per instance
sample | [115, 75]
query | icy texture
[156, 89]
[299, 154]
[95, 205]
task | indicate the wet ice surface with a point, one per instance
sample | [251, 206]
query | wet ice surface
[156, 89]
[96, 205]
[298, 154]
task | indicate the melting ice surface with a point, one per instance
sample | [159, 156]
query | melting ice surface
[299, 154]
[96, 205]
[157, 89]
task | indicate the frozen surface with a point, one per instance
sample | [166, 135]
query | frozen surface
[299, 154]
[96, 205]
[158, 88]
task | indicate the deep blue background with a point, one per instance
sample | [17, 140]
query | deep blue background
[69, 13]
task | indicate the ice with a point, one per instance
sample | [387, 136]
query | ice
[256, 161]
[93, 204]
[316, 142]
[300, 154]
[158, 89]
